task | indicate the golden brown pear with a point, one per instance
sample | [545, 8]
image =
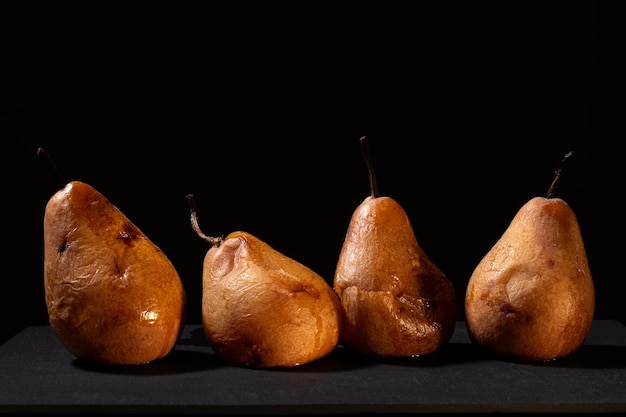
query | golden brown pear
[395, 301]
[261, 308]
[112, 295]
[531, 298]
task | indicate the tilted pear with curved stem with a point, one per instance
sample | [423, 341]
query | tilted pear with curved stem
[261, 308]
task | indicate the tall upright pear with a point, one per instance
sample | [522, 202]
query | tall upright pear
[395, 301]
[531, 297]
[112, 295]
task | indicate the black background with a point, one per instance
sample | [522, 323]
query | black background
[257, 108]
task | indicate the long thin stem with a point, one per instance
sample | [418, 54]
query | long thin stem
[374, 191]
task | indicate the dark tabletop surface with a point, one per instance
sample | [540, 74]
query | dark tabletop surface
[40, 375]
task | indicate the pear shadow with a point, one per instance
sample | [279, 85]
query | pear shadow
[194, 336]
[458, 350]
[335, 361]
[587, 357]
[192, 353]
[339, 360]
[176, 362]
[447, 355]
[342, 359]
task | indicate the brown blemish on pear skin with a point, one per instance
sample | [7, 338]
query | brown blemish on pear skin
[514, 314]
[128, 233]
[63, 246]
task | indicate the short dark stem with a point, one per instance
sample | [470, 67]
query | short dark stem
[52, 165]
[374, 192]
[214, 241]
[558, 172]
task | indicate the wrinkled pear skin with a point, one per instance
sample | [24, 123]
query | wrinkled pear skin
[112, 296]
[531, 298]
[262, 309]
[395, 301]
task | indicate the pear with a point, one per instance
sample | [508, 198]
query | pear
[261, 308]
[395, 301]
[112, 295]
[531, 297]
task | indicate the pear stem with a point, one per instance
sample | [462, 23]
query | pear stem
[558, 173]
[214, 241]
[52, 165]
[374, 192]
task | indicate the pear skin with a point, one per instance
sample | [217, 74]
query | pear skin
[395, 301]
[531, 298]
[263, 309]
[112, 295]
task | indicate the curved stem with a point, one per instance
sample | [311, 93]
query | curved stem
[214, 241]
